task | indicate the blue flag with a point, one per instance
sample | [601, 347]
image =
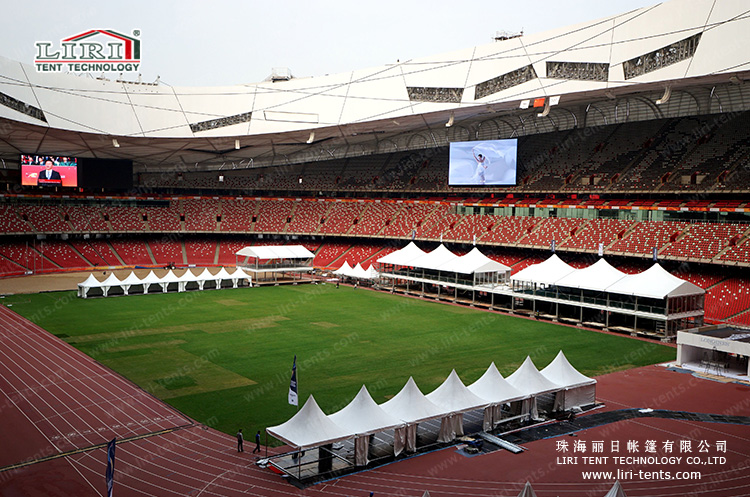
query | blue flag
[110, 474]
[293, 384]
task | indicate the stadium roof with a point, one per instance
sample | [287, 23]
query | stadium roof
[676, 44]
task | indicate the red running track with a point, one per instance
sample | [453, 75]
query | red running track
[56, 401]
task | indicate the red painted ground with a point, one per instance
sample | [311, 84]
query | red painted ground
[54, 399]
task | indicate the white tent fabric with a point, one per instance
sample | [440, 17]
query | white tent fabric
[109, 282]
[473, 262]
[492, 387]
[655, 282]
[372, 273]
[310, 427]
[578, 389]
[223, 275]
[453, 397]
[358, 272]
[267, 252]
[404, 256]
[362, 417]
[148, 280]
[88, 284]
[168, 279]
[129, 281]
[433, 260]
[616, 490]
[546, 273]
[529, 381]
[240, 274]
[411, 406]
[597, 276]
[344, 270]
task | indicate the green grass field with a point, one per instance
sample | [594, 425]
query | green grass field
[224, 357]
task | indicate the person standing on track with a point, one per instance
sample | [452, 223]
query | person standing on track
[257, 442]
[239, 441]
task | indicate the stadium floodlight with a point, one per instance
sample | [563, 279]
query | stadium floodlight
[115, 143]
[311, 137]
[450, 121]
[665, 98]
[237, 144]
[735, 80]
[609, 94]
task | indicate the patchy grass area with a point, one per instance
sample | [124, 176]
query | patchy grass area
[224, 357]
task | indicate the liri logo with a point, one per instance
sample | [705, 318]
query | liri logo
[91, 51]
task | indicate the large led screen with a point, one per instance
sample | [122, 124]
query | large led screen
[49, 170]
[483, 163]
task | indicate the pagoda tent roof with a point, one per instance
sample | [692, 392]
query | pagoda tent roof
[597, 276]
[547, 272]
[362, 416]
[90, 282]
[411, 406]
[433, 260]
[453, 396]
[404, 256]
[529, 381]
[310, 427]
[655, 282]
[473, 262]
[492, 387]
[563, 373]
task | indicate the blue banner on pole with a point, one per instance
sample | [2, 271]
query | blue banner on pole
[110, 474]
[293, 384]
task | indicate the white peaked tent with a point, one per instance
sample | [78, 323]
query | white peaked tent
[223, 275]
[168, 279]
[474, 262]
[453, 397]
[578, 390]
[271, 252]
[129, 281]
[545, 273]
[529, 381]
[616, 490]
[189, 277]
[361, 418]
[492, 387]
[433, 260]
[410, 406]
[372, 273]
[148, 280]
[358, 272]
[310, 427]
[597, 276]
[404, 256]
[88, 284]
[344, 270]
[109, 282]
[527, 491]
[240, 274]
[655, 282]
[205, 277]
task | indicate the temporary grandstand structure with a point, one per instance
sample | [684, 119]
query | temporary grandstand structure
[530, 382]
[452, 396]
[362, 417]
[496, 390]
[577, 390]
[411, 268]
[277, 263]
[600, 295]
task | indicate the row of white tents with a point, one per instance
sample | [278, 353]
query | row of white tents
[170, 281]
[357, 272]
[362, 417]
